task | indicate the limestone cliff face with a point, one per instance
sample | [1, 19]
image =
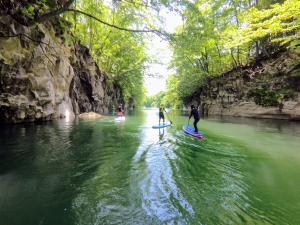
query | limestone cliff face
[42, 77]
[269, 88]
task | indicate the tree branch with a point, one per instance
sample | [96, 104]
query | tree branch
[114, 26]
[66, 8]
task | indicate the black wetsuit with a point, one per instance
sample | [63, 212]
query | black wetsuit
[196, 116]
[161, 114]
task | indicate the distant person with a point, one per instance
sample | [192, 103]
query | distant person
[161, 113]
[120, 110]
[195, 114]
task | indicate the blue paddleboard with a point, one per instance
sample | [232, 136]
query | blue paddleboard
[162, 125]
[190, 130]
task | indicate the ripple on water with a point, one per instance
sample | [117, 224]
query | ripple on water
[217, 179]
[94, 172]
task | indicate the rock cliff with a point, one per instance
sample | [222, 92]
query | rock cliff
[268, 88]
[43, 77]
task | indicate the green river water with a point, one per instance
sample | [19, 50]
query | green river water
[246, 171]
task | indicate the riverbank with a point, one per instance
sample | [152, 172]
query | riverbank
[268, 88]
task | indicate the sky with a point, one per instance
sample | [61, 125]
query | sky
[160, 50]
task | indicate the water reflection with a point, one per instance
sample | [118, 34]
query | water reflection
[161, 200]
[106, 197]
[161, 133]
[100, 172]
[30, 172]
[292, 127]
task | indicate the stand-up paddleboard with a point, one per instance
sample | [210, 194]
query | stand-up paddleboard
[190, 130]
[162, 125]
[120, 119]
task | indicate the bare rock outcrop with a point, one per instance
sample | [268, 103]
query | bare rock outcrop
[268, 88]
[90, 116]
[43, 77]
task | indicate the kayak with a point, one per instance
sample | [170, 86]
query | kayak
[120, 119]
[190, 130]
[161, 125]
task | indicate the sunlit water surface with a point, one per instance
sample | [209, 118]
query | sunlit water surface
[98, 172]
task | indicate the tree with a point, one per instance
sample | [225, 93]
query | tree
[219, 35]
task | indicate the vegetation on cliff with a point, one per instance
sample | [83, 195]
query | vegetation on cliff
[215, 37]
[113, 32]
[120, 54]
[224, 34]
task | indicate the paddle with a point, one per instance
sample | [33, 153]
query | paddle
[169, 118]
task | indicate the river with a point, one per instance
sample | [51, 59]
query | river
[245, 171]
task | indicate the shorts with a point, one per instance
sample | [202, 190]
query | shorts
[161, 115]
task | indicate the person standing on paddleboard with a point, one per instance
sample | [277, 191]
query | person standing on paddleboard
[161, 113]
[120, 110]
[195, 114]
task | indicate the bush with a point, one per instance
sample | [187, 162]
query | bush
[264, 97]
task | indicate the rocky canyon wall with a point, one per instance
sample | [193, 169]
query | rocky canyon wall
[268, 88]
[43, 77]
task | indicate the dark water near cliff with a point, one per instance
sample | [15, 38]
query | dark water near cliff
[98, 172]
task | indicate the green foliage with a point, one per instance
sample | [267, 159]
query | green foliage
[155, 100]
[148, 101]
[198, 50]
[216, 36]
[264, 97]
[172, 95]
[31, 10]
[280, 23]
[219, 35]
[120, 54]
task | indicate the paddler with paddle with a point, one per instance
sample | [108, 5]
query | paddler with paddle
[195, 114]
[161, 113]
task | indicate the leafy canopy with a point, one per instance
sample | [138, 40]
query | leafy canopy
[218, 35]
